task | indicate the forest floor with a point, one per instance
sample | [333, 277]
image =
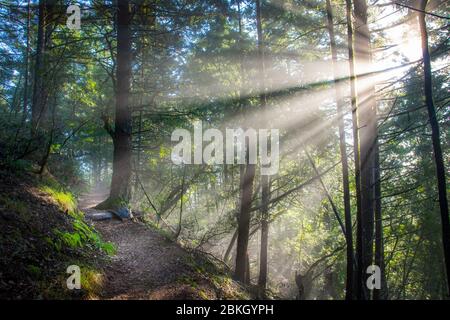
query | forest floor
[148, 265]
[42, 232]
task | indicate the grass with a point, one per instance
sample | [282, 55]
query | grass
[65, 200]
[44, 236]
[91, 281]
[82, 235]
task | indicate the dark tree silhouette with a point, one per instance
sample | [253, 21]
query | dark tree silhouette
[344, 160]
[435, 137]
[121, 134]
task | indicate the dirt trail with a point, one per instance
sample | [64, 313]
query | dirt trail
[147, 265]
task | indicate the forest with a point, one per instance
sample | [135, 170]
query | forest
[224, 149]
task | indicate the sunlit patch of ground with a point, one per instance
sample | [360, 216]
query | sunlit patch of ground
[149, 266]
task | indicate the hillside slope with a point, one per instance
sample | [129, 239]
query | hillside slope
[42, 232]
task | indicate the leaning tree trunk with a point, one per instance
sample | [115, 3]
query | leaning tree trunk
[120, 192]
[435, 137]
[344, 161]
[368, 138]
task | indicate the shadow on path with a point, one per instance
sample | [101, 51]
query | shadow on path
[147, 265]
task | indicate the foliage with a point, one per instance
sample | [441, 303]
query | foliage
[199, 60]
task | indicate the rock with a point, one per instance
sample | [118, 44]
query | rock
[100, 215]
[122, 213]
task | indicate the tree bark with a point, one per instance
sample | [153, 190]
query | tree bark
[121, 177]
[263, 267]
[248, 177]
[435, 137]
[244, 223]
[265, 187]
[40, 92]
[356, 144]
[382, 293]
[367, 133]
[247, 270]
[344, 161]
[27, 59]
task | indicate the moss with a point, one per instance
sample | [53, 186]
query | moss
[44, 235]
[65, 200]
[91, 281]
[112, 203]
[82, 234]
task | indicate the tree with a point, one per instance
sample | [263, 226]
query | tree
[379, 294]
[121, 133]
[435, 137]
[27, 60]
[265, 185]
[356, 139]
[244, 223]
[231, 66]
[344, 161]
[40, 90]
[367, 127]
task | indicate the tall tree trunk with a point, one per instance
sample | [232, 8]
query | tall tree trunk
[382, 293]
[226, 256]
[247, 177]
[356, 145]
[344, 161]
[435, 137]
[40, 95]
[51, 131]
[265, 187]
[27, 58]
[368, 137]
[263, 267]
[244, 222]
[247, 270]
[120, 191]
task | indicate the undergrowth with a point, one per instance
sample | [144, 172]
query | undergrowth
[82, 234]
[42, 233]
